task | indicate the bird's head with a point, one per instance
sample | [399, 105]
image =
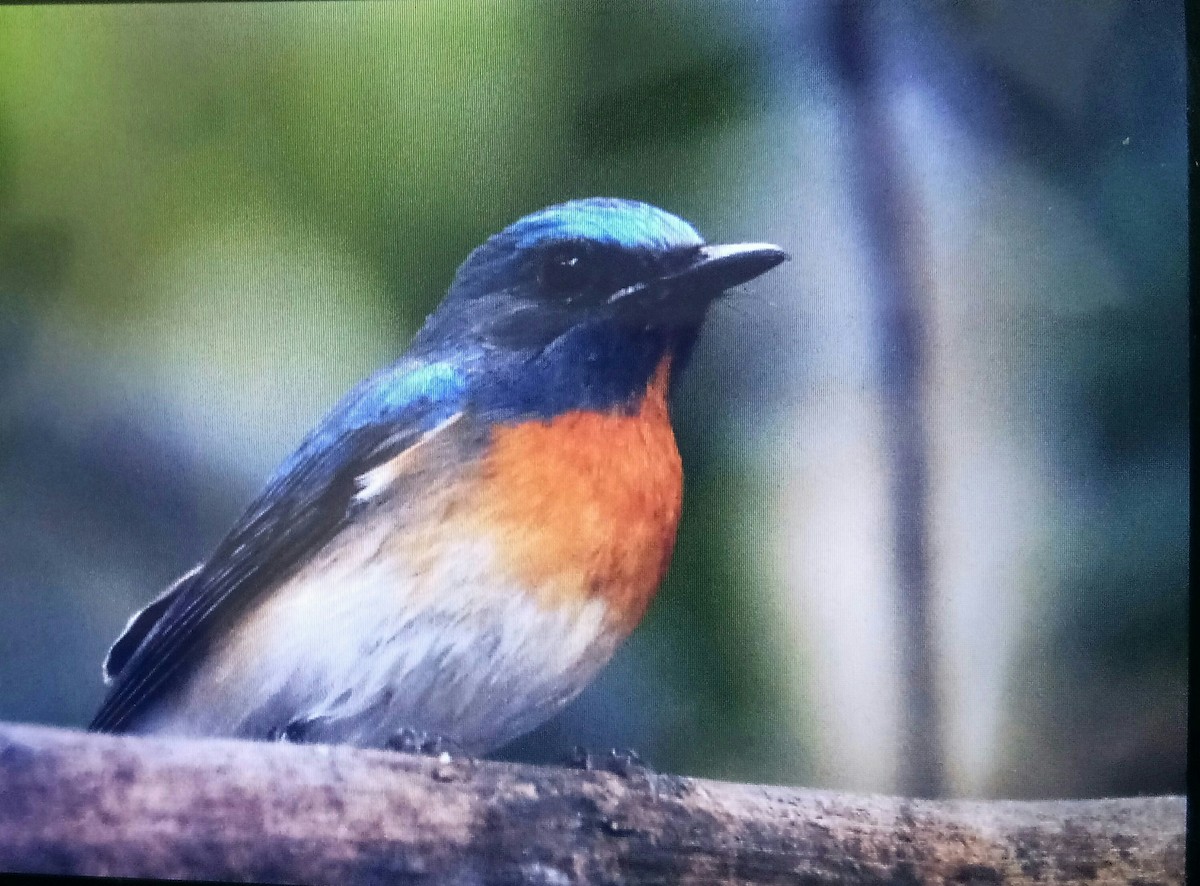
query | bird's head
[609, 284]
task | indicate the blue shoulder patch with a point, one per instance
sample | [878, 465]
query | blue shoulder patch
[437, 385]
[398, 396]
[625, 223]
[434, 383]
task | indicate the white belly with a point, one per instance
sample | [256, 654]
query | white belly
[369, 639]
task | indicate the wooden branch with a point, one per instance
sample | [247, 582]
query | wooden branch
[76, 803]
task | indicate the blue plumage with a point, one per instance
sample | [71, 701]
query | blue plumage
[623, 223]
[435, 382]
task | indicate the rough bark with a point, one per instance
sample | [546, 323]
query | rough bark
[77, 803]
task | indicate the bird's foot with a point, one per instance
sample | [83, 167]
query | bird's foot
[428, 744]
[624, 762]
[299, 731]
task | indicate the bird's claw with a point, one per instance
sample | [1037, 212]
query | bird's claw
[624, 762]
[298, 731]
[428, 744]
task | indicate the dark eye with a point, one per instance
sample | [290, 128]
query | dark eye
[567, 270]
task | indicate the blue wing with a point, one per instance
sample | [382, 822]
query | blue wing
[304, 504]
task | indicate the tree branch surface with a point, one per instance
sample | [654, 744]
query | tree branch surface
[76, 803]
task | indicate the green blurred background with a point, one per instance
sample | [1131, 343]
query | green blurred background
[215, 218]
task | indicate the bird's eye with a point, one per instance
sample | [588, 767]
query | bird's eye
[566, 271]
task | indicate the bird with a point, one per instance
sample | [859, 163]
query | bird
[461, 544]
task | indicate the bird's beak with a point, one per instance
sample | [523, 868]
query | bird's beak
[717, 268]
[712, 269]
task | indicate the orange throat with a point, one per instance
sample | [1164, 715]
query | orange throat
[587, 504]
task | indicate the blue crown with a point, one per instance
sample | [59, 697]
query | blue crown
[624, 223]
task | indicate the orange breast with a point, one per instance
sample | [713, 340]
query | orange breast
[587, 503]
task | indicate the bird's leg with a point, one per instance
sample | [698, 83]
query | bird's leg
[298, 731]
[623, 762]
[413, 741]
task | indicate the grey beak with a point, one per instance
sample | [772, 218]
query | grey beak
[724, 266]
[712, 269]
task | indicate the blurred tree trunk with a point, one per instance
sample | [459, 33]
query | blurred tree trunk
[891, 229]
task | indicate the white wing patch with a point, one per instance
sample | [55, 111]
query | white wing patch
[379, 479]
